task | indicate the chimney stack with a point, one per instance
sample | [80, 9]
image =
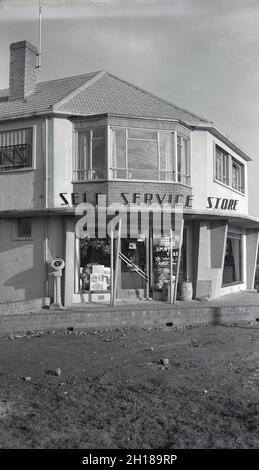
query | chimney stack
[23, 70]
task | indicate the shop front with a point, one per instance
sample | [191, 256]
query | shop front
[145, 266]
[154, 253]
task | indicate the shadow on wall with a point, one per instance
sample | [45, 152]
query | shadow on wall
[22, 270]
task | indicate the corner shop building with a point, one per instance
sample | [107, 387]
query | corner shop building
[71, 140]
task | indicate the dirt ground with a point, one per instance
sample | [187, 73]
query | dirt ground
[114, 392]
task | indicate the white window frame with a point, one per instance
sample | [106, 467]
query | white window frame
[241, 176]
[230, 161]
[188, 162]
[224, 177]
[90, 171]
[158, 131]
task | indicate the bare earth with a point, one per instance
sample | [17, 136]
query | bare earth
[114, 393]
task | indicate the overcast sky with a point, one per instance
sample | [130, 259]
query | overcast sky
[200, 54]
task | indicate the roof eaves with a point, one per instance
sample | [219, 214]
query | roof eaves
[80, 88]
[13, 117]
[225, 138]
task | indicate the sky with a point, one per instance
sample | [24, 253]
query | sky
[200, 54]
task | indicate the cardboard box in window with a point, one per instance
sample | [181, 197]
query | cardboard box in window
[106, 271]
[96, 282]
[97, 268]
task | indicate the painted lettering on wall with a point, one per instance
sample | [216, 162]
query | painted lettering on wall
[214, 203]
[73, 199]
[222, 203]
[150, 198]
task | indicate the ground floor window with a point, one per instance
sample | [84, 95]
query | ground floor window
[232, 272]
[94, 265]
[143, 266]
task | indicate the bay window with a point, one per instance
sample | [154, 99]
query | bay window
[134, 154]
[16, 149]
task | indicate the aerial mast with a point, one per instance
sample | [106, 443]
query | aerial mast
[39, 42]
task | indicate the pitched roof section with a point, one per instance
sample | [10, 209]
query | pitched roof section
[47, 94]
[95, 93]
[112, 95]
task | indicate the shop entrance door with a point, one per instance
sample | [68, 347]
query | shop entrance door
[134, 270]
[145, 267]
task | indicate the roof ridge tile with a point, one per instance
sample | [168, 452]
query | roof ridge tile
[79, 89]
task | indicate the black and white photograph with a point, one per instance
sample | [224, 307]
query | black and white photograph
[129, 229]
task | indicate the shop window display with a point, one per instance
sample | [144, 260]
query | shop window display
[95, 270]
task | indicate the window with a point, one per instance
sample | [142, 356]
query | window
[232, 272]
[229, 171]
[95, 261]
[237, 176]
[90, 161]
[142, 154]
[183, 160]
[24, 228]
[222, 166]
[15, 149]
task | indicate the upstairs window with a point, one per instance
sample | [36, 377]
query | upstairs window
[222, 166]
[238, 176]
[229, 171]
[142, 154]
[90, 161]
[183, 160]
[15, 149]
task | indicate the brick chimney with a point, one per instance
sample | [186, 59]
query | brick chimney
[23, 71]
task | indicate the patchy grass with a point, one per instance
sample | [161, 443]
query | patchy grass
[115, 392]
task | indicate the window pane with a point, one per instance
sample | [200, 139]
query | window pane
[98, 158]
[99, 133]
[222, 166]
[142, 134]
[183, 164]
[83, 157]
[237, 176]
[16, 149]
[94, 265]
[179, 157]
[233, 258]
[142, 155]
[143, 174]
[24, 228]
[219, 165]
[118, 137]
[166, 156]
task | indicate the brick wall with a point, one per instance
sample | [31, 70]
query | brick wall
[113, 190]
[120, 318]
[22, 74]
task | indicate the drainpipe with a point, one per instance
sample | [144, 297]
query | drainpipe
[46, 203]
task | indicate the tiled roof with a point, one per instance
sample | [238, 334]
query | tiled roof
[109, 94]
[95, 93]
[47, 95]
